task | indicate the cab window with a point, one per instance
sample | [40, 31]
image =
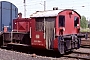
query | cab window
[61, 21]
[76, 21]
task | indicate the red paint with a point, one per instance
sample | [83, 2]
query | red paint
[21, 25]
[69, 23]
[56, 44]
[35, 41]
[5, 28]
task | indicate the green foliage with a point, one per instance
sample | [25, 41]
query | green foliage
[83, 22]
[85, 30]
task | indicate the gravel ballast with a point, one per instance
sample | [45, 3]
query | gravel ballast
[12, 55]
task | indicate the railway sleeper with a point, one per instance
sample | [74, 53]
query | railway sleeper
[79, 55]
[85, 46]
[84, 58]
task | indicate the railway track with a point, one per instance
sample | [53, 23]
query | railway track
[85, 46]
[82, 53]
[79, 55]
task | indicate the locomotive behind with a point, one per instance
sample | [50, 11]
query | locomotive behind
[57, 30]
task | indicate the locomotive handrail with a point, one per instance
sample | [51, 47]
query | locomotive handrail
[30, 32]
[15, 32]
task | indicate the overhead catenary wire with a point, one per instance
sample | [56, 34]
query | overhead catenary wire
[34, 5]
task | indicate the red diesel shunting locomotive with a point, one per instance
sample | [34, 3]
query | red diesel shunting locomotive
[52, 30]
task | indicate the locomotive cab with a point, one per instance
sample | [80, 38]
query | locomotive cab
[67, 28]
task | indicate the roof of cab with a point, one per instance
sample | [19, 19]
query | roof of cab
[49, 13]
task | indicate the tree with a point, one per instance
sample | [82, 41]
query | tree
[83, 22]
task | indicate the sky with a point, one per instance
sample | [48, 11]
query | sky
[81, 6]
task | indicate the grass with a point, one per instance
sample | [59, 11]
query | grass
[85, 30]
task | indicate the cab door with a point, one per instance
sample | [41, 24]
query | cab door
[49, 31]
